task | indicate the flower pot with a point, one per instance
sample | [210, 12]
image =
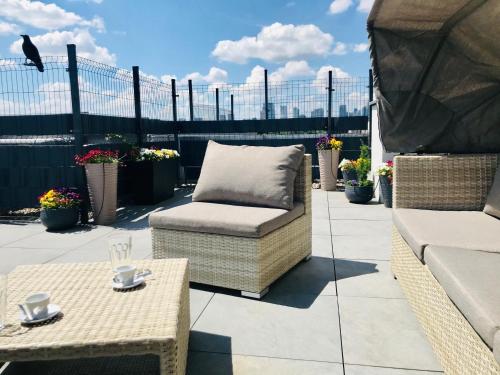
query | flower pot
[359, 194]
[152, 181]
[349, 175]
[102, 184]
[55, 219]
[386, 190]
[328, 161]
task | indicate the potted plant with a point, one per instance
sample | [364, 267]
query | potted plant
[361, 190]
[59, 208]
[328, 160]
[153, 174]
[348, 169]
[101, 169]
[385, 177]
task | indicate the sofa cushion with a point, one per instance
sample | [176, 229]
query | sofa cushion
[492, 206]
[496, 346]
[227, 219]
[262, 176]
[471, 279]
[472, 230]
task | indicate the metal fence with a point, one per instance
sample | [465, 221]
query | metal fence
[77, 104]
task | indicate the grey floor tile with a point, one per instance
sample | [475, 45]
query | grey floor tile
[384, 332]
[321, 227]
[369, 370]
[86, 255]
[322, 246]
[198, 300]
[363, 247]
[11, 257]
[70, 239]
[361, 212]
[366, 278]
[10, 233]
[200, 363]
[273, 328]
[373, 228]
[315, 276]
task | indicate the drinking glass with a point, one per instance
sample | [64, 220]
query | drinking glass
[120, 251]
[3, 301]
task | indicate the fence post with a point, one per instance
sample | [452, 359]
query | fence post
[176, 125]
[329, 103]
[137, 104]
[190, 87]
[370, 103]
[266, 99]
[174, 101]
[217, 104]
[232, 107]
[75, 97]
[78, 128]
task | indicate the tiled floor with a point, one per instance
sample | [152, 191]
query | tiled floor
[340, 313]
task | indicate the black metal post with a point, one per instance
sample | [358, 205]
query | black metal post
[75, 97]
[266, 99]
[137, 104]
[190, 87]
[174, 101]
[232, 107]
[370, 103]
[77, 128]
[330, 103]
[217, 104]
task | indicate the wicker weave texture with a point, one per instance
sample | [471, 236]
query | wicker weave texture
[459, 348]
[98, 321]
[248, 264]
[102, 184]
[452, 182]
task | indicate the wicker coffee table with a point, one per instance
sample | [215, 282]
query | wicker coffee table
[97, 321]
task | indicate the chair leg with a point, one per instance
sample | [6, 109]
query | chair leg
[253, 295]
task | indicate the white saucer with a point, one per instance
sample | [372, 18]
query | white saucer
[53, 310]
[138, 280]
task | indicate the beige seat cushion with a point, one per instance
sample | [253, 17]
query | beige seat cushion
[249, 175]
[227, 219]
[492, 206]
[472, 230]
[472, 281]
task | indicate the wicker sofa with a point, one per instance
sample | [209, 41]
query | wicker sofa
[234, 257]
[446, 256]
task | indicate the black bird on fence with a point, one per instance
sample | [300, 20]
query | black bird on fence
[31, 53]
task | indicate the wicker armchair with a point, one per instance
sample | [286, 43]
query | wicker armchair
[451, 183]
[243, 263]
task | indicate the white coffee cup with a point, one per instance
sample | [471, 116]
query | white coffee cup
[126, 274]
[37, 304]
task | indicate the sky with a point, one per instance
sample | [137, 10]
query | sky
[206, 41]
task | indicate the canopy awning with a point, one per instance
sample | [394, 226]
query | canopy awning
[436, 67]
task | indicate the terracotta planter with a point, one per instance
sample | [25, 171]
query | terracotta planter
[328, 167]
[102, 182]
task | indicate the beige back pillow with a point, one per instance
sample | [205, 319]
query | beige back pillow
[249, 175]
[492, 206]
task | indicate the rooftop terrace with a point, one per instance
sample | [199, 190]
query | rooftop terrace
[340, 313]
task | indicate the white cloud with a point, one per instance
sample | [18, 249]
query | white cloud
[54, 43]
[275, 43]
[292, 69]
[45, 16]
[167, 78]
[290, 4]
[340, 49]
[215, 75]
[360, 47]
[9, 28]
[322, 73]
[339, 6]
[365, 5]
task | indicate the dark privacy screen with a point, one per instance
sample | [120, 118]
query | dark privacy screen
[436, 66]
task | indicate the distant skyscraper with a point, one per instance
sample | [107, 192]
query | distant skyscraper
[365, 111]
[318, 112]
[342, 110]
[283, 111]
[302, 116]
[296, 112]
[270, 111]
